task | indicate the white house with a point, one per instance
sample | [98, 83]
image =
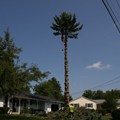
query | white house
[19, 102]
[87, 103]
[118, 107]
[90, 103]
[1, 102]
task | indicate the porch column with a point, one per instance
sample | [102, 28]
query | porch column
[19, 106]
[8, 103]
[28, 104]
[37, 104]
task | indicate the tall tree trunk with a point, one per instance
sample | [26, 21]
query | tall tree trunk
[66, 74]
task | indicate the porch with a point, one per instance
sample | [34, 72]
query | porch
[19, 103]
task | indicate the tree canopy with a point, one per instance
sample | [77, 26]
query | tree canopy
[111, 98]
[115, 94]
[66, 26]
[15, 77]
[49, 88]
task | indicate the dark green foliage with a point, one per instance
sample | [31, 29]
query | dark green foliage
[19, 117]
[87, 114]
[110, 103]
[8, 56]
[15, 78]
[94, 94]
[66, 24]
[49, 88]
[116, 114]
[109, 96]
[26, 111]
[101, 95]
[115, 94]
[80, 114]
[3, 110]
[37, 112]
[89, 94]
[102, 111]
[59, 115]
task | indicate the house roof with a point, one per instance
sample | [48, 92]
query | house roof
[36, 97]
[82, 97]
[118, 100]
[98, 101]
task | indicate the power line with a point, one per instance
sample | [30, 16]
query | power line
[116, 79]
[112, 14]
[115, 18]
[108, 82]
[116, 9]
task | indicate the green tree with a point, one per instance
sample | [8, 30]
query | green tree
[8, 54]
[89, 94]
[101, 95]
[115, 93]
[15, 78]
[110, 102]
[94, 94]
[49, 88]
[110, 97]
[66, 26]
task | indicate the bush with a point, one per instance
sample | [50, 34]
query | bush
[20, 117]
[87, 114]
[80, 114]
[4, 110]
[102, 111]
[116, 114]
[26, 111]
[58, 115]
[38, 112]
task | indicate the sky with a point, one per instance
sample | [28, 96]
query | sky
[93, 58]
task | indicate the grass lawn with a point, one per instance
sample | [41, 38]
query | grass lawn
[107, 117]
[19, 117]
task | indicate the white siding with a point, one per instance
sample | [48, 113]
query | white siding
[34, 104]
[48, 107]
[83, 101]
[1, 102]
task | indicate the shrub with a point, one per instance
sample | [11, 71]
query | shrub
[37, 112]
[102, 111]
[4, 110]
[58, 115]
[116, 114]
[87, 114]
[20, 117]
[26, 111]
[80, 114]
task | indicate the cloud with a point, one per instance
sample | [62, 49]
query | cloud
[98, 65]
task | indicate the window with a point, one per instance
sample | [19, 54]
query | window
[17, 102]
[33, 102]
[76, 105]
[89, 105]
